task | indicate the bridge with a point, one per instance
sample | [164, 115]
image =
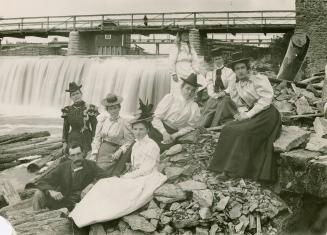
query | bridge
[206, 22]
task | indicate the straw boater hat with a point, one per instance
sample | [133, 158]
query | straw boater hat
[144, 113]
[73, 87]
[192, 80]
[111, 100]
[238, 57]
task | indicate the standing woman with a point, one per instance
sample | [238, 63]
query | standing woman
[183, 61]
[79, 120]
[175, 116]
[113, 136]
[245, 147]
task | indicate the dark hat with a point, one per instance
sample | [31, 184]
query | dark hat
[144, 114]
[216, 52]
[238, 57]
[73, 87]
[192, 80]
[111, 100]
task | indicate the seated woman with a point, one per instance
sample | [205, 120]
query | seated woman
[112, 198]
[113, 137]
[219, 108]
[176, 115]
[245, 147]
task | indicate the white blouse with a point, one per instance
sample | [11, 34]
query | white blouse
[184, 61]
[227, 76]
[118, 132]
[145, 158]
[252, 95]
[177, 113]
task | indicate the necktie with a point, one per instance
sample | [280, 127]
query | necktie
[218, 83]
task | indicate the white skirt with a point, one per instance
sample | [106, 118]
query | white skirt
[114, 197]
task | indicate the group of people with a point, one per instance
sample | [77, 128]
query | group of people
[112, 164]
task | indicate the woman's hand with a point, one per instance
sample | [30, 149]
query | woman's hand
[64, 147]
[175, 78]
[241, 116]
[167, 139]
[221, 94]
[93, 157]
[117, 154]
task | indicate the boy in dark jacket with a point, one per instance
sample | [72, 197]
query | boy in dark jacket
[63, 186]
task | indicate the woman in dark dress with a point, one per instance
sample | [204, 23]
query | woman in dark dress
[245, 147]
[79, 120]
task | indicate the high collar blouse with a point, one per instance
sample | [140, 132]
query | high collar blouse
[252, 95]
[144, 158]
[227, 77]
[183, 60]
[177, 113]
[114, 131]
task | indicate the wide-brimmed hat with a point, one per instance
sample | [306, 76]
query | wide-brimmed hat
[111, 100]
[73, 87]
[216, 52]
[238, 57]
[192, 80]
[144, 113]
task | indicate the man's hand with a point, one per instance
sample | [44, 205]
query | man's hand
[167, 139]
[117, 154]
[174, 77]
[56, 195]
[86, 190]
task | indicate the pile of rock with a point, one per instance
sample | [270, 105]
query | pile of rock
[195, 201]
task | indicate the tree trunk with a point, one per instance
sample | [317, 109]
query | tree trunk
[294, 56]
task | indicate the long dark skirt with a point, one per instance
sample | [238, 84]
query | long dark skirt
[104, 159]
[83, 139]
[245, 148]
[218, 111]
[156, 135]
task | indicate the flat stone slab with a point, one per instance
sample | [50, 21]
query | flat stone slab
[317, 144]
[320, 126]
[290, 138]
[302, 171]
[302, 106]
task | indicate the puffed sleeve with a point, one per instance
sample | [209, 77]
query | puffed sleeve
[210, 83]
[128, 136]
[66, 125]
[161, 111]
[241, 107]
[195, 61]
[265, 92]
[97, 137]
[152, 156]
[173, 55]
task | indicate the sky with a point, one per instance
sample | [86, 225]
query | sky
[19, 8]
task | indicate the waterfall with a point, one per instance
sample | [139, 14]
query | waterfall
[39, 83]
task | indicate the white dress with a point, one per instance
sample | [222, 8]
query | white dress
[182, 62]
[114, 197]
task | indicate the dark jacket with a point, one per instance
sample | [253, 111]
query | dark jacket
[60, 179]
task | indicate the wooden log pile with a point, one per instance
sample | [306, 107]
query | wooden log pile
[28, 147]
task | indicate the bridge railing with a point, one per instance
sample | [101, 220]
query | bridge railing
[181, 19]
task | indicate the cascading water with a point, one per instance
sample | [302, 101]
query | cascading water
[38, 83]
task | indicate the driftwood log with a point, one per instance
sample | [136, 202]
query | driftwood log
[8, 139]
[296, 51]
[23, 143]
[45, 145]
[35, 166]
[9, 193]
